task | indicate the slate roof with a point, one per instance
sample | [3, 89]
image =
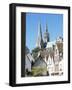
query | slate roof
[50, 51]
[39, 62]
[47, 53]
[60, 47]
[29, 56]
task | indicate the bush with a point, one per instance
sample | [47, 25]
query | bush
[38, 71]
[35, 50]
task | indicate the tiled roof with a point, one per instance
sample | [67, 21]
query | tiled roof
[47, 53]
[39, 62]
[29, 56]
[60, 47]
[50, 51]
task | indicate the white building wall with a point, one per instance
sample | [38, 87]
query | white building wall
[61, 67]
[27, 64]
[50, 65]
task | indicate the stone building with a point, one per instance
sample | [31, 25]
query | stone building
[28, 60]
[51, 52]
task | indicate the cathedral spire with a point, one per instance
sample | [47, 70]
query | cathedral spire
[46, 35]
[39, 30]
[46, 27]
[39, 39]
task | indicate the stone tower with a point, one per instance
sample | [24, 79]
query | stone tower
[46, 35]
[39, 42]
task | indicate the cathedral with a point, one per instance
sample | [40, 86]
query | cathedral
[47, 57]
[50, 51]
[42, 42]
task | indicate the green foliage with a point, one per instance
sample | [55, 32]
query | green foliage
[35, 50]
[34, 55]
[37, 71]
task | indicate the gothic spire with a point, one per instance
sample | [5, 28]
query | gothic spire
[39, 39]
[39, 30]
[46, 27]
[46, 35]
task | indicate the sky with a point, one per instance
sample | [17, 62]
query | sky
[54, 22]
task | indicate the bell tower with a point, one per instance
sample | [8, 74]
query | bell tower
[46, 35]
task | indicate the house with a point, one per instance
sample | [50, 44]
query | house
[50, 65]
[51, 52]
[28, 61]
[48, 57]
[53, 56]
[58, 54]
[61, 67]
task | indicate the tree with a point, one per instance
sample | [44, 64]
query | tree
[38, 71]
[35, 52]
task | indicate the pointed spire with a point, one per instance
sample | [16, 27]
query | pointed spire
[46, 27]
[46, 35]
[39, 30]
[39, 40]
